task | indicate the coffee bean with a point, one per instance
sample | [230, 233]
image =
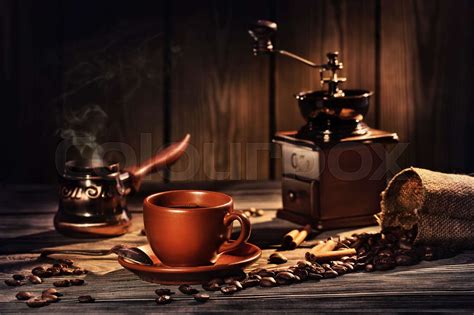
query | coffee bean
[38, 271]
[349, 259]
[77, 281]
[67, 262]
[164, 291]
[86, 299]
[66, 271]
[51, 291]
[201, 297]
[268, 282]
[317, 269]
[339, 269]
[362, 251]
[357, 244]
[77, 271]
[36, 302]
[230, 280]
[384, 263]
[237, 284]
[211, 287]
[50, 298]
[428, 253]
[369, 268]
[258, 277]
[255, 271]
[239, 276]
[277, 258]
[266, 273]
[385, 253]
[219, 281]
[59, 265]
[250, 282]
[18, 277]
[23, 295]
[404, 245]
[54, 271]
[62, 283]
[301, 273]
[13, 283]
[315, 276]
[404, 260]
[187, 289]
[304, 264]
[330, 274]
[364, 258]
[163, 299]
[326, 266]
[229, 289]
[34, 279]
[285, 277]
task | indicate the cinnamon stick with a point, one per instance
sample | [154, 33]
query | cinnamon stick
[330, 255]
[300, 237]
[290, 236]
[327, 246]
[317, 248]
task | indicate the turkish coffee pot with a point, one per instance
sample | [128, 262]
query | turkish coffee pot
[92, 196]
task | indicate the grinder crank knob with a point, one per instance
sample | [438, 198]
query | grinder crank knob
[333, 61]
[262, 32]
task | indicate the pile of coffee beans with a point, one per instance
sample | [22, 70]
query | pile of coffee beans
[374, 252]
[63, 267]
[391, 248]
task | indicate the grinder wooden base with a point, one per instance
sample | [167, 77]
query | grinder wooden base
[333, 184]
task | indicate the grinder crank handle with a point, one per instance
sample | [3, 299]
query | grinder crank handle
[262, 33]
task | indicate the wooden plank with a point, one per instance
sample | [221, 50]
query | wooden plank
[425, 98]
[320, 303]
[219, 91]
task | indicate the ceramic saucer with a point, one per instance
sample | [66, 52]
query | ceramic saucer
[227, 263]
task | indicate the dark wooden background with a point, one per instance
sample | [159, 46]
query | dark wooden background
[160, 69]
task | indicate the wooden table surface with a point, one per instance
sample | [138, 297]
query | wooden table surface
[26, 214]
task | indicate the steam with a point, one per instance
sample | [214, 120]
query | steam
[82, 129]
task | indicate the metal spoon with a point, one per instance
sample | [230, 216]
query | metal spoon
[133, 254]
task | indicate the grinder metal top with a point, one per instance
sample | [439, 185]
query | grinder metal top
[331, 113]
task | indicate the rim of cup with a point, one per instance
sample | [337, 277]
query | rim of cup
[150, 201]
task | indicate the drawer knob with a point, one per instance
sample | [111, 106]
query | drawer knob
[291, 195]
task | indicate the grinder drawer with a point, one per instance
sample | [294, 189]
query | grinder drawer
[301, 197]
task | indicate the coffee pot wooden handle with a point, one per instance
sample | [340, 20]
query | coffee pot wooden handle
[245, 229]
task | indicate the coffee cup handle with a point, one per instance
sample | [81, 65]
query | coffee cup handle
[244, 230]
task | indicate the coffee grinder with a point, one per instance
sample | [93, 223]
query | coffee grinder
[334, 167]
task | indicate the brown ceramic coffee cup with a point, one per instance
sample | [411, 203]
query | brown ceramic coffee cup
[190, 227]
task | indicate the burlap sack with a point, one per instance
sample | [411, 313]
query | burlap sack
[440, 205]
